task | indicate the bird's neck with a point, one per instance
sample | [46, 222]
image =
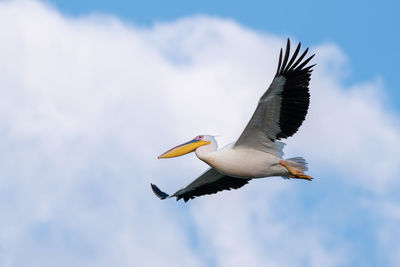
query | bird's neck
[204, 152]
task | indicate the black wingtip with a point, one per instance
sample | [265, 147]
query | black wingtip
[305, 62]
[286, 57]
[160, 194]
[279, 62]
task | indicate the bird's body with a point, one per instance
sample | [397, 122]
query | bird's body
[257, 153]
[242, 162]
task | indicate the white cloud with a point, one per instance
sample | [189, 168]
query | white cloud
[87, 104]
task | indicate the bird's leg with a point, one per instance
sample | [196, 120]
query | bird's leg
[293, 172]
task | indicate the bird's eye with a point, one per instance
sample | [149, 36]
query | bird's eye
[199, 137]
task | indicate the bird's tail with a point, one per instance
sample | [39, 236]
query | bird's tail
[298, 163]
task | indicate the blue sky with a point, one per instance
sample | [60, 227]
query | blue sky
[366, 31]
[92, 92]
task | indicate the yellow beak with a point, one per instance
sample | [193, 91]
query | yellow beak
[183, 149]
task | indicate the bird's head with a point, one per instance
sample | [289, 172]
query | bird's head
[187, 147]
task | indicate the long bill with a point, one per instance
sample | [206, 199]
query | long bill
[183, 149]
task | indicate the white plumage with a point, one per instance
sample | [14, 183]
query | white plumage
[257, 153]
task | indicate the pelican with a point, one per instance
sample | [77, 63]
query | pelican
[257, 153]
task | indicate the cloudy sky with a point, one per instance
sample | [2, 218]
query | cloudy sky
[92, 92]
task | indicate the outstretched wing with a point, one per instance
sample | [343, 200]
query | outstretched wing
[209, 182]
[283, 107]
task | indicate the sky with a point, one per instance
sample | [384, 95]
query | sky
[91, 93]
[365, 30]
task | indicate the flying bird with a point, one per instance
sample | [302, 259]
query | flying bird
[257, 153]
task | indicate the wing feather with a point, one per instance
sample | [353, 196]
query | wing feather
[293, 57]
[300, 58]
[279, 61]
[287, 52]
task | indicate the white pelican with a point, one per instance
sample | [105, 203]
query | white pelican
[257, 153]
